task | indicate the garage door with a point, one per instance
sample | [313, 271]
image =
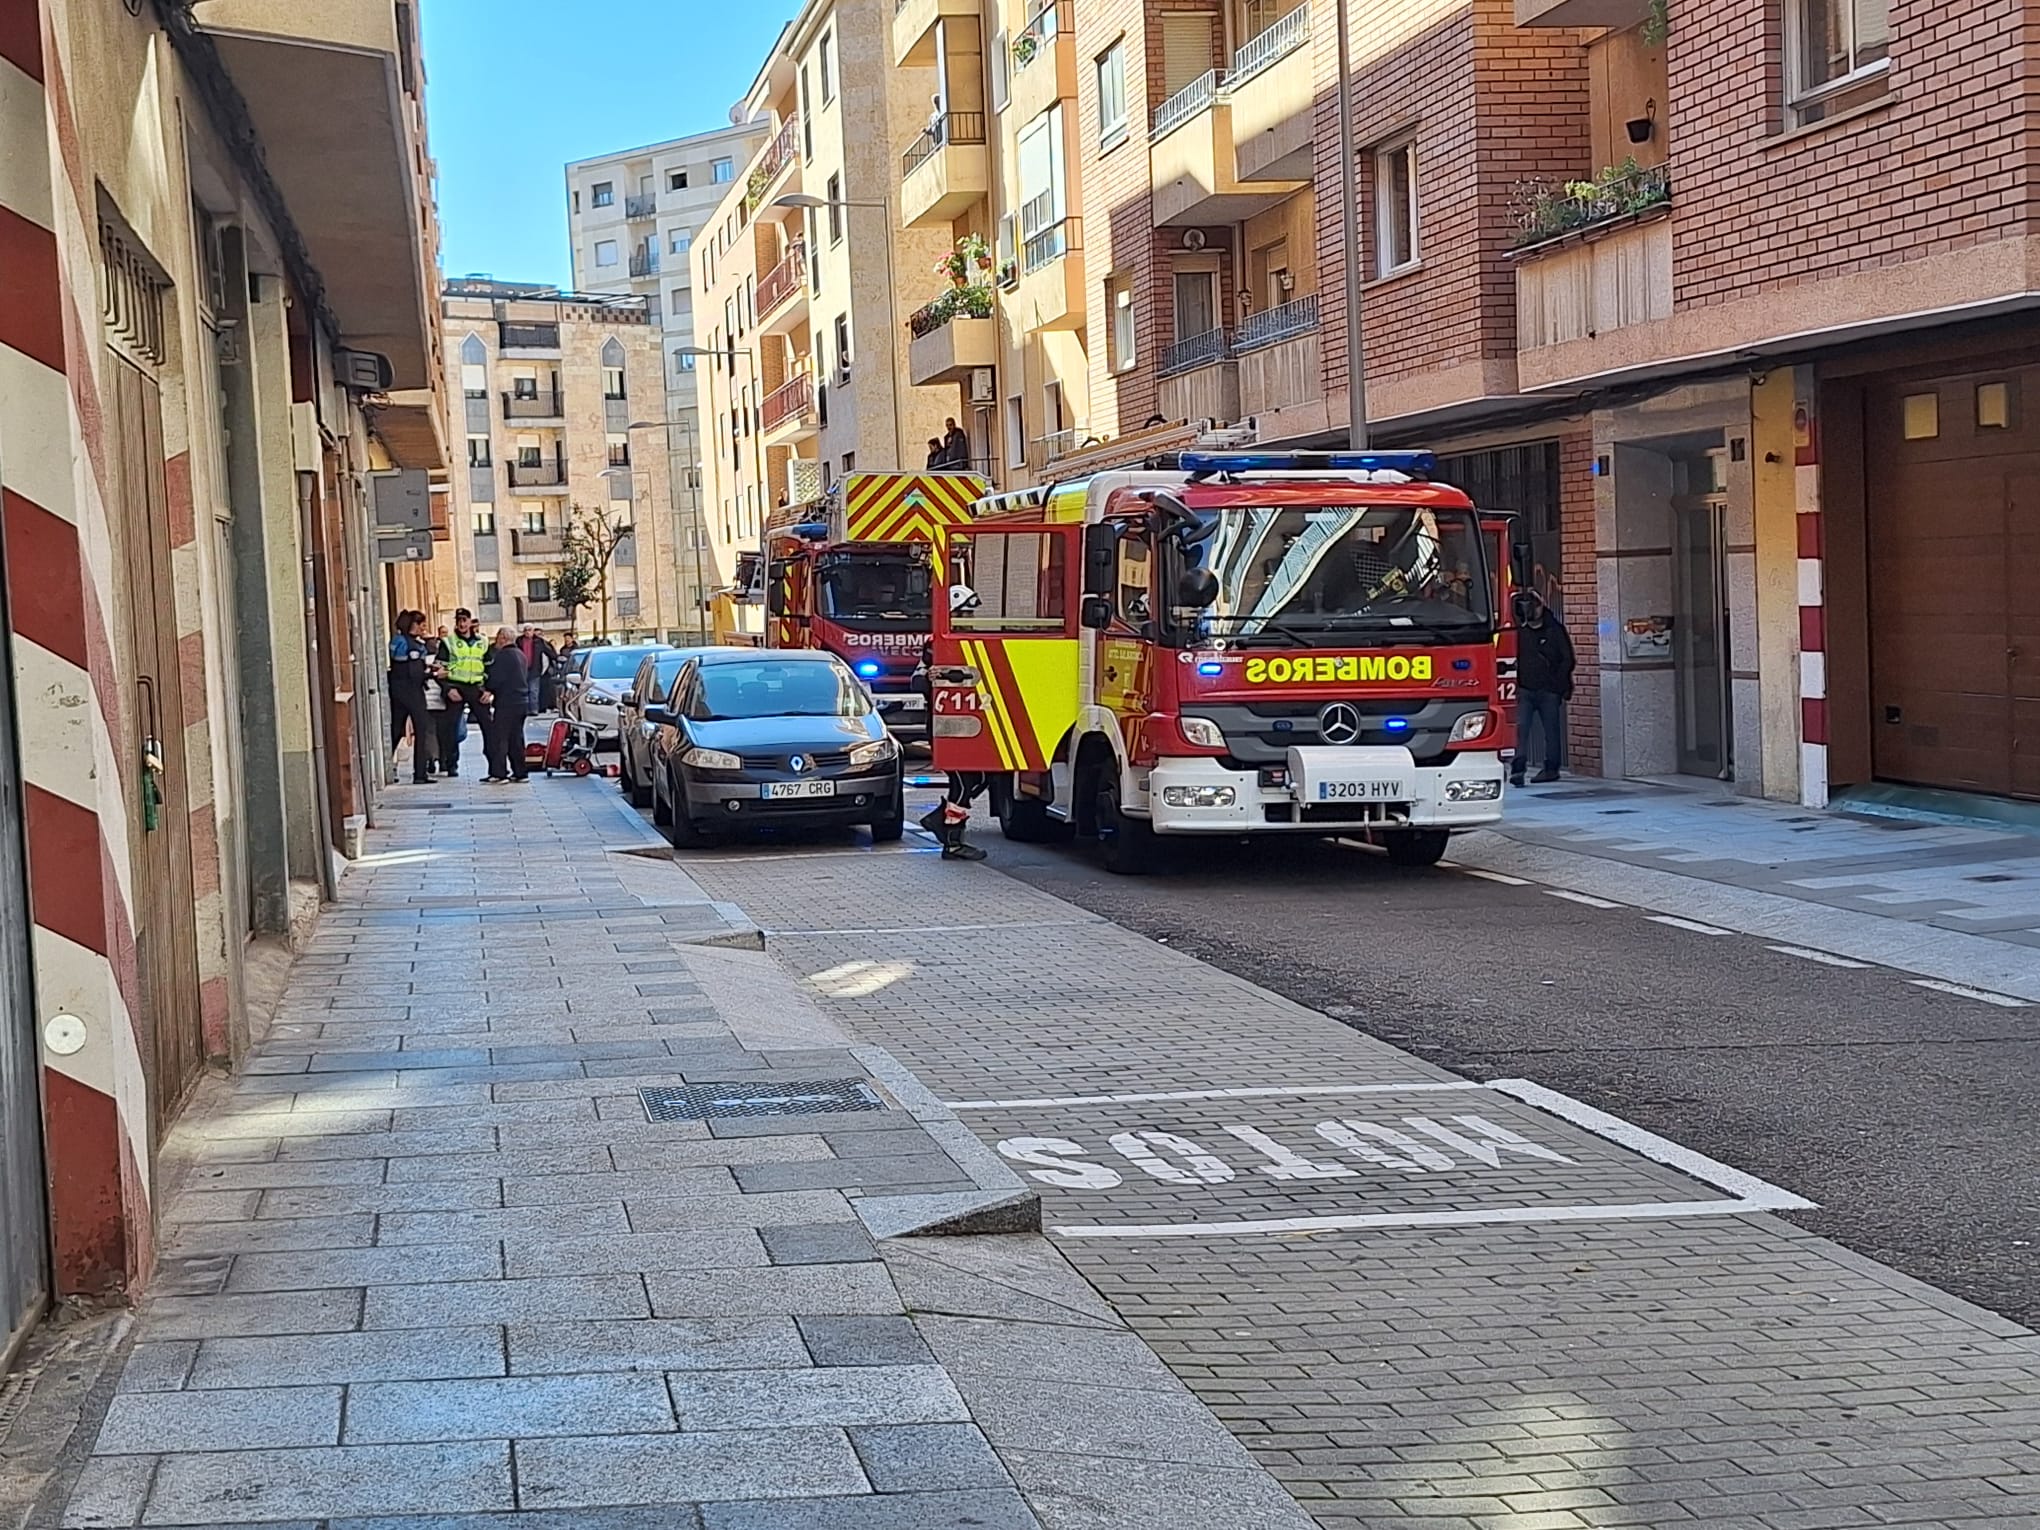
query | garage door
[1953, 466]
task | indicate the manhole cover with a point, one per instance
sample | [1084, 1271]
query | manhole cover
[808, 1097]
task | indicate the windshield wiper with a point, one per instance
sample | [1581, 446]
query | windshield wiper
[1300, 639]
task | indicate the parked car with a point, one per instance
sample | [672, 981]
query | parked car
[649, 687]
[604, 674]
[751, 738]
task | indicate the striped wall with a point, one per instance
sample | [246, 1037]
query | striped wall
[1813, 718]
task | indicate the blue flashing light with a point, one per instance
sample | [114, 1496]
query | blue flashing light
[1462, 664]
[1413, 463]
[1396, 724]
[1211, 667]
[870, 669]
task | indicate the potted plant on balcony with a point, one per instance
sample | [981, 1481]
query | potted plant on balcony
[1025, 46]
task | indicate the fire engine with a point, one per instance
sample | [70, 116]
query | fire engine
[1229, 643]
[853, 575]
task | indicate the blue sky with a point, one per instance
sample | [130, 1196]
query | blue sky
[517, 88]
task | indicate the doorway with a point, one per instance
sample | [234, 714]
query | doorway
[1700, 622]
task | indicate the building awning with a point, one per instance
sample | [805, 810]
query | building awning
[409, 428]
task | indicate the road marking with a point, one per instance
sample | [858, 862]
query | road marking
[1825, 958]
[1982, 996]
[1649, 1210]
[1688, 924]
[1755, 1194]
[1577, 897]
[1495, 876]
[1215, 1094]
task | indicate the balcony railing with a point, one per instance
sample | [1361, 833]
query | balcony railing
[790, 400]
[778, 155]
[1187, 103]
[1279, 40]
[1207, 349]
[626, 607]
[1048, 244]
[539, 406]
[1271, 326]
[958, 303]
[783, 280]
[1038, 36]
[949, 128]
[644, 262]
[643, 205]
[1546, 211]
[529, 337]
[537, 475]
[535, 544]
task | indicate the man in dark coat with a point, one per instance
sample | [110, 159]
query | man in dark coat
[408, 657]
[1544, 683]
[507, 686]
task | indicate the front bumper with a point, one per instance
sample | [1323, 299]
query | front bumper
[1256, 809]
[727, 799]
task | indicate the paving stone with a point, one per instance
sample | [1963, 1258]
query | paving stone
[657, 1344]
[935, 1171]
[401, 1355]
[508, 1222]
[1067, 1418]
[207, 1317]
[158, 1367]
[246, 1487]
[431, 1195]
[1044, 1352]
[564, 1297]
[412, 1264]
[664, 1517]
[1099, 1492]
[110, 1490]
[519, 1407]
[590, 1159]
[818, 1243]
[864, 1341]
[274, 1236]
[720, 1465]
[977, 1509]
[717, 1150]
[900, 1394]
[257, 1419]
[730, 1248]
[927, 1458]
[827, 1122]
[641, 1185]
[799, 1289]
[725, 1211]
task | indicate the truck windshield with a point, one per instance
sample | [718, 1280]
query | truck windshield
[1380, 570]
[874, 592]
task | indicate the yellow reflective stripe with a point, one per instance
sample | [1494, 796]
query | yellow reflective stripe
[1004, 736]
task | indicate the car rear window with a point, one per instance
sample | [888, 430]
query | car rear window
[614, 663]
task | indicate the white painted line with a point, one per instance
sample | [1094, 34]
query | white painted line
[1649, 1210]
[1754, 1194]
[1825, 958]
[1982, 996]
[1495, 876]
[1576, 897]
[1420, 1087]
[1688, 924]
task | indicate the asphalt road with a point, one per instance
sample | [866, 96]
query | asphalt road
[1908, 1115]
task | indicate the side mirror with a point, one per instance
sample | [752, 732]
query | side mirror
[1101, 558]
[1095, 613]
[628, 699]
[1197, 589]
[775, 600]
[658, 717]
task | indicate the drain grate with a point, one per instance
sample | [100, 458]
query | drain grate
[805, 1097]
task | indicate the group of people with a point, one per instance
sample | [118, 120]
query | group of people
[441, 690]
[952, 450]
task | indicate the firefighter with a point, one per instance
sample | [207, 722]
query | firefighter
[950, 817]
[463, 658]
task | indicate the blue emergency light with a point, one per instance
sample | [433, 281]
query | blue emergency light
[870, 669]
[1211, 667]
[1416, 464]
[1396, 724]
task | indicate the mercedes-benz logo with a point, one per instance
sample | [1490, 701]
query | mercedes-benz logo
[1339, 723]
[799, 763]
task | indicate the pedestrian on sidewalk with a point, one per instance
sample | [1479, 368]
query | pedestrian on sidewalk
[538, 659]
[463, 656]
[505, 692]
[1544, 683]
[435, 709]
[408, 658]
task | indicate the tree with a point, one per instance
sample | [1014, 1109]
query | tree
[588, 542]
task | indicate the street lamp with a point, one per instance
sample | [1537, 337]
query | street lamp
[757, 457]
[1349, 217]
[795, 201]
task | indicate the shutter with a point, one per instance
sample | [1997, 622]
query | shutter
[1188, 42]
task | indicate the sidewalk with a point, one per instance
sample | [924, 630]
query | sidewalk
[1958, 902]
[551, 1203]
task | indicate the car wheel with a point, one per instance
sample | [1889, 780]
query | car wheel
[626, 778]
[662, 810]
[681, 828]
[1416, 847]
[1127, 844]
[641, 791]
[889, 829]
[1025, 820]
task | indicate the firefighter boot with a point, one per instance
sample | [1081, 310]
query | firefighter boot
[932, 819]
[955, 819]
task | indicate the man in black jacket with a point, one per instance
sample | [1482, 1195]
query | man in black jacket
[408, 657]
[506, 689]
[1544, 683]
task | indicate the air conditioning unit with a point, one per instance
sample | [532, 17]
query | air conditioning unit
[984, 388]
[363, 371]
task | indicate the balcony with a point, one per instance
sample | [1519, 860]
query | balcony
[1581, 13]
[781, 154]
[529, 476]
[643, 205]
[950, 341]
[626, 607]
[540, 613]
[645, 262]
[778, 287]
[788, 413]
[537, 340]
[1281, 364]
[944, 170]
[1201, 379]
[1194, 171]
[913, 28]
[537, 408]
[1049, 292]
[1580, 300]
[544, 545]
[1044, 62]
[1273, 99]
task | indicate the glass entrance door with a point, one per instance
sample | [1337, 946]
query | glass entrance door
[1700, 659]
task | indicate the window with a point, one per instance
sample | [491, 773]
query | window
[577, 204]
[722, 171]
[1021, 580]
[605, 252]
[807, 118]
[683, 361]
[488, 593]
[484, 520]
[1395, 207]
[835, 209]
[677, 181]
[524, 385]
[1837, 53]
[612, 383]
[1120, 354]
[603, 193]
[1002, 82]
[843, 344]
[679, 242]
[1112, 95]
[538, 589]
[530, 455]
[655, 308]
[478, 451]
[1016, 433]
[823, 69]
[1994, 406]
[1922, 416]
[1196, 292]
[534, 520]
[619, 450]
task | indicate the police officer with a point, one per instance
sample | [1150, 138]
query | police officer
[408, 658]
[463, 660]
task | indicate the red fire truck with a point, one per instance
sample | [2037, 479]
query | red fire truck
[853, 575]
[1229, 643]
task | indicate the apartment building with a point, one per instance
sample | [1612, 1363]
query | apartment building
[555, 403]
[633, 217]
[802, 277]
[216, 354]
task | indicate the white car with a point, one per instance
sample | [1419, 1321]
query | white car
[605, 675]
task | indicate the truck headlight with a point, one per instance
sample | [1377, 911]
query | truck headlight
[1472, 791]
[711, 759]
[1199, 796]
[1202, 732]
[874, 753]
[1472, 725]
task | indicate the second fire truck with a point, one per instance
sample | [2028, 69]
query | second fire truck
[1226, 644]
